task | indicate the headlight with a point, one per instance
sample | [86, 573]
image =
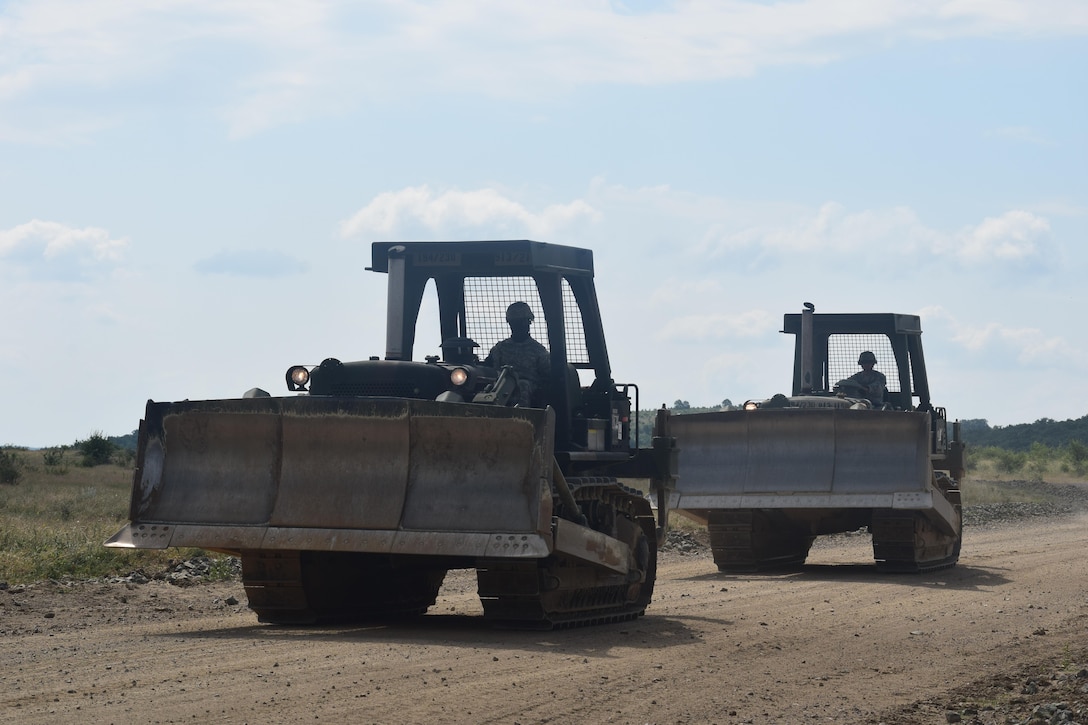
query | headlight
[458, 376]
[751, 405]
[297, 377]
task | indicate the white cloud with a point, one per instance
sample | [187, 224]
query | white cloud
[718, 326]
[58, 250]
[1015, 236]
[273, 99]
[485, 210]
[990, 17]
[1030, 346]
[1021, 134]
[297, 58]
[1059, 208]
[720, 230]
[681, 291]
[251, 263]
[869, 237]
[831, 229]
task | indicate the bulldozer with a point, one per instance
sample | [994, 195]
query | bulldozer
[352, 496]
[834, 456]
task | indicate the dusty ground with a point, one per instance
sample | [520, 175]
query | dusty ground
[989, 641]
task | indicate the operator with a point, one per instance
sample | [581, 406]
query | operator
[871, 381]
[529, 359]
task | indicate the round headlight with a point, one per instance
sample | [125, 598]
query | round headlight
[751, 405]
[297, 377]
[458, 376]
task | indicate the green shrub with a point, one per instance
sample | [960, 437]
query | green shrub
[9, 468]
[97, 450]
[971, 458]
[53, 459]
[124, 457]
[1077, 455]
[1009, 461]
[1039, 457]
[222, 569]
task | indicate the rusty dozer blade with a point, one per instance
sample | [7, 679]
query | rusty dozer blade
[806, 458]
[386, 476]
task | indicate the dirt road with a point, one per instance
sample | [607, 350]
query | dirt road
[835, 642]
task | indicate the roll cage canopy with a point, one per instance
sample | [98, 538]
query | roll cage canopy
[903, 363]
[556, 279]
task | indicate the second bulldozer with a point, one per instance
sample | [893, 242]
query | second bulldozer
[830, 457]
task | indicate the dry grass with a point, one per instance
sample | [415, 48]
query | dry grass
[976, 492]
[54, 521]
[1054, 472]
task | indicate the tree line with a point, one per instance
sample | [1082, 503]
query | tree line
[1021, 437]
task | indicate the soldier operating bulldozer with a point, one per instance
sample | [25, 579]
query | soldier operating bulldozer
[871, 383]
[528, 358]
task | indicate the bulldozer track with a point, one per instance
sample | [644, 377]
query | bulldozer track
[907, 542]
[749, 540]
[305, 587]
[561, 591]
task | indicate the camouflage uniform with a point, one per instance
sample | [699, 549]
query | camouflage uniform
[530, 361]
[874, 383]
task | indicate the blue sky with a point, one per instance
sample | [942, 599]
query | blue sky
[189, 190]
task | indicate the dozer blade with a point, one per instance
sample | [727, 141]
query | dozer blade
[386, 476]
[765, 458]
[767, 481]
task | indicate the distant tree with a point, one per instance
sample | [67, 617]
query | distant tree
[1021, 436]
[974, 425]
[9, 468]
[96, 450]
[681, 405]
[126, 442]
[727, 403]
